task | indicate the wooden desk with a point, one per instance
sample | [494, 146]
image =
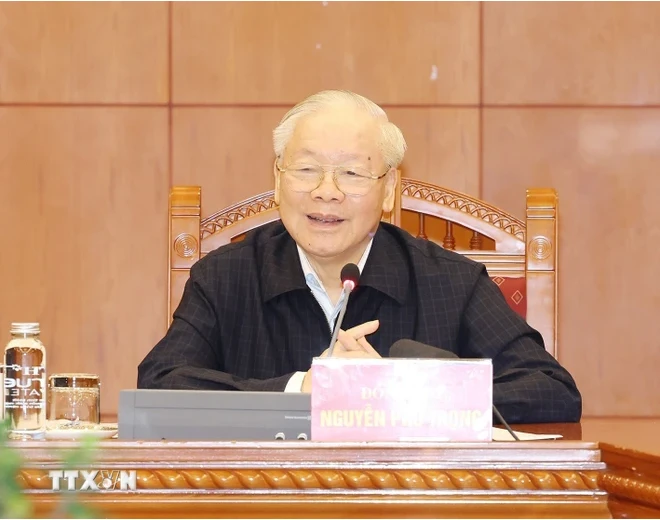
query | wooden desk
[567, 478]
[540, 479]
[631, 449]
[638, 433]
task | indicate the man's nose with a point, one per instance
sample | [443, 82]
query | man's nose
[328, 190]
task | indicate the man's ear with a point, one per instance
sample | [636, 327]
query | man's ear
[276, 174]
[390, 190]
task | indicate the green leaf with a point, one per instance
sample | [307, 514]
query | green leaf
[16, 506]
[78, 510]
[14, 503]
[10, 461]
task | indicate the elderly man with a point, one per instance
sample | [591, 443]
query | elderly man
[254, 313]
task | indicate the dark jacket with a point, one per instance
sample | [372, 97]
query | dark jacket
[248, 321]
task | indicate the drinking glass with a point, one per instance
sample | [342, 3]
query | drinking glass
[74, 398]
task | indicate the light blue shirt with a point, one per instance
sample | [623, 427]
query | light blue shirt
[331, 311]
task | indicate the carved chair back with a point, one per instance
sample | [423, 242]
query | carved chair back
[521, 256]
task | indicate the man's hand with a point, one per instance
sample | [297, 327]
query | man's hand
[351, 343]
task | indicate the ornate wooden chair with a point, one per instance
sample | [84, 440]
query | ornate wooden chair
[521, 257]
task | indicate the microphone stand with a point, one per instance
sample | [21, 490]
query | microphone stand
[506, 424]
[344, 294]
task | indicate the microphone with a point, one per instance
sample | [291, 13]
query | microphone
[408, 348]
[350, 274]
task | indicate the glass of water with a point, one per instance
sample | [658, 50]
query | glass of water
[74, 398]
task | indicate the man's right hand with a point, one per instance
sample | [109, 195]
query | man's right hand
[351, 343]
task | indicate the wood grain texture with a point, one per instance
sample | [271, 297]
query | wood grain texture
[443, 146]
[294, 479]
[228, 151]
[287, 507]
[562, 53]
[604, 165]
[83, 52]
[632, 482]
[281, 52]
[84, 212]
[301, 480]
[638, 433]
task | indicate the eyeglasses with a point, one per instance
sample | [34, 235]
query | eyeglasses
[305, 178]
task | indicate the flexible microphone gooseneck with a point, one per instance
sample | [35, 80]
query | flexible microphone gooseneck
[408, 348]
[350, 275]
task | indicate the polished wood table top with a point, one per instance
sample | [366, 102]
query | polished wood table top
[630, 447]
[602, 467]
[638, 433]
[307, 479]
[641, 434]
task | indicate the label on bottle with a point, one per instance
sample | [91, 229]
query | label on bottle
[25, 383]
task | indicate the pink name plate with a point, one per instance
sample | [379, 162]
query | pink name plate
[385, 400]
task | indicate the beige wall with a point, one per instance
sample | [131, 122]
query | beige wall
[104, 106]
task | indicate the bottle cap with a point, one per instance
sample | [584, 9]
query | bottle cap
[24, 328]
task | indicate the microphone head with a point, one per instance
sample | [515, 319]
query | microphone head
[408, 348]
[350, 274]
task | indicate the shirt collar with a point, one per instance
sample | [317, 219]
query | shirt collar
[310, 274]
[386, 266]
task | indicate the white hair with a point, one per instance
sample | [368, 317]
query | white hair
[392, 145]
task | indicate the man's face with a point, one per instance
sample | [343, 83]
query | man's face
[327, 223]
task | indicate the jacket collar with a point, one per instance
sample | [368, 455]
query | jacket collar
[386, 269]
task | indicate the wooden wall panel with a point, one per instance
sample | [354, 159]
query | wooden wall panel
[227, 151]
[605, 165]
[84, 190]
[443, 145]
[83, 52]
[84, 211]
[585, 53]
[219, 148]
[281, 52]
